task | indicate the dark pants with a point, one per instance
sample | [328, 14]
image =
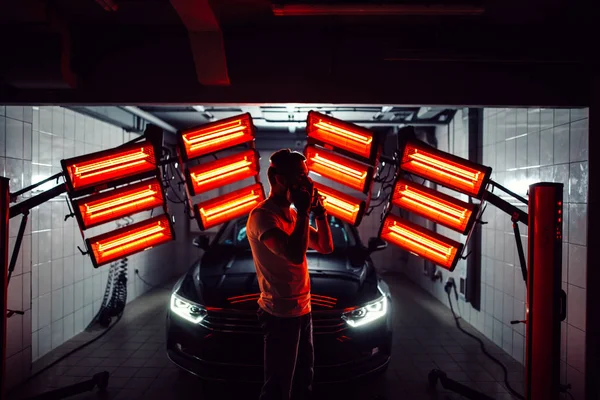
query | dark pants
[288, 356]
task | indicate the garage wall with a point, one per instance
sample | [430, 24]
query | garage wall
[524, 146]
[53, 283]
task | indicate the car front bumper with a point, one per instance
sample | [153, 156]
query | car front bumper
[340, 357]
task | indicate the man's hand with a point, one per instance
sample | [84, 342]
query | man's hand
[302, 200]
[317, 206]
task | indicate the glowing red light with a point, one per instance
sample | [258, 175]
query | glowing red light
[341, 205]
[338, 168]
[214, 174]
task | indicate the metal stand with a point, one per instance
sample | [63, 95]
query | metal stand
[100, 379]
[517, 216]
[436, 375]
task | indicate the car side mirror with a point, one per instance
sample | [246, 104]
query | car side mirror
[376, 244]
[201, 242]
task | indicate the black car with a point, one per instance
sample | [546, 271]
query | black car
[212, 324]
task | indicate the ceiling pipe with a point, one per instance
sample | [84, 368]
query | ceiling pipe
[150, 118]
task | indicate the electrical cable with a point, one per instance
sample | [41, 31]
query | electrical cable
[482, 345]
[149, 284]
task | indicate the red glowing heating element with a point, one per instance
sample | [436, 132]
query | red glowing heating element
[227, 207]
[433, 205]
[131, 239]
[446, 169]
[104, 207]
[214, 174]
[217, 136]
[107, 166]
[343, 135]
[341, 205]
[338, 168]
[422, 242]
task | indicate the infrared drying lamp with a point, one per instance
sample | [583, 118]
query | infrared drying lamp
[421, 241]
[110, 167]
[229, 206]
[108, 206]
[214, 174]
[353, 174]
[446, 169]
[216, 136]
[129, 240]
[341, 205]
[350, 139]
[435, 206]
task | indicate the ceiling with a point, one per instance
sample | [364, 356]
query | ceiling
[462, 52]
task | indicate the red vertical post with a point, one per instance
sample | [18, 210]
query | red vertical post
[4, 210]
[546, 302]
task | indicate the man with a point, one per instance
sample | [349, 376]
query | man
[279, 238]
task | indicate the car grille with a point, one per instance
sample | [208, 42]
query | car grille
[244, 321]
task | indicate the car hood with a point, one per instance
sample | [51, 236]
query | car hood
[232, 283]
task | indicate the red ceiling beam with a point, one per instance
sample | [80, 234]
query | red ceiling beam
[206, 41]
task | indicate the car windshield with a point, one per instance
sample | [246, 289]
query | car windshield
[341, 233]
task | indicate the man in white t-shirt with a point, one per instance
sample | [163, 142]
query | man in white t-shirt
[279, 237]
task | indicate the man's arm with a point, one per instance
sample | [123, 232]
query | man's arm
[291, 247]
[320, 238]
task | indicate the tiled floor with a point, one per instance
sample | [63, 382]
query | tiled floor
[425, 337]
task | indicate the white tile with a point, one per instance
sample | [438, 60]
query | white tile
[69, 326]
[88, 291]
[68, 299]
[509, 247]
[578, 182]
[511, 154]
[576, 306]
[44, 224]
[533, 149]
[68, 270]
[565, 223]
[69, 124]
[88, 315]
[26, 291]
[501, 156]
[507, 338]
[14, 138]
[26, 253]
[546, 118]
[57, 248]
[44, 340]
[560, 174]
[519, 315]
[79, 127]
[498, 304]
[533, 120]
[78, 321]
[57, 333]
[45, 120]
[499, 245]
[78, 295]
[578, 224]
[57, 305]
[34, 346]
[577, 265]
[14, 370]
[45, 278]
[34, 314]
[521, 143]
[507, 309]
[509, 280]
[68, 239]
[579, 141]
[57, 274]
[521, 121]
[99, 286]
[561, 144]
[498, 330]
[78, 266]
[26, 319]
[576, 348]
[518, 349]
[489, 300]
[14, 335]
[561, 116]
[15, 293]
[44, 311]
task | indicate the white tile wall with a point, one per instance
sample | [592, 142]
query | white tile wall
[53, 283]
[524, 146]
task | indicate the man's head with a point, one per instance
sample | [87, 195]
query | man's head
[287, 172]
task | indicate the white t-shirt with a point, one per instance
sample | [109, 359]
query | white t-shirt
[284, 286]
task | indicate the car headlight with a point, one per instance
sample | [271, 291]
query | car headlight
[367, 313]
[184, 308]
